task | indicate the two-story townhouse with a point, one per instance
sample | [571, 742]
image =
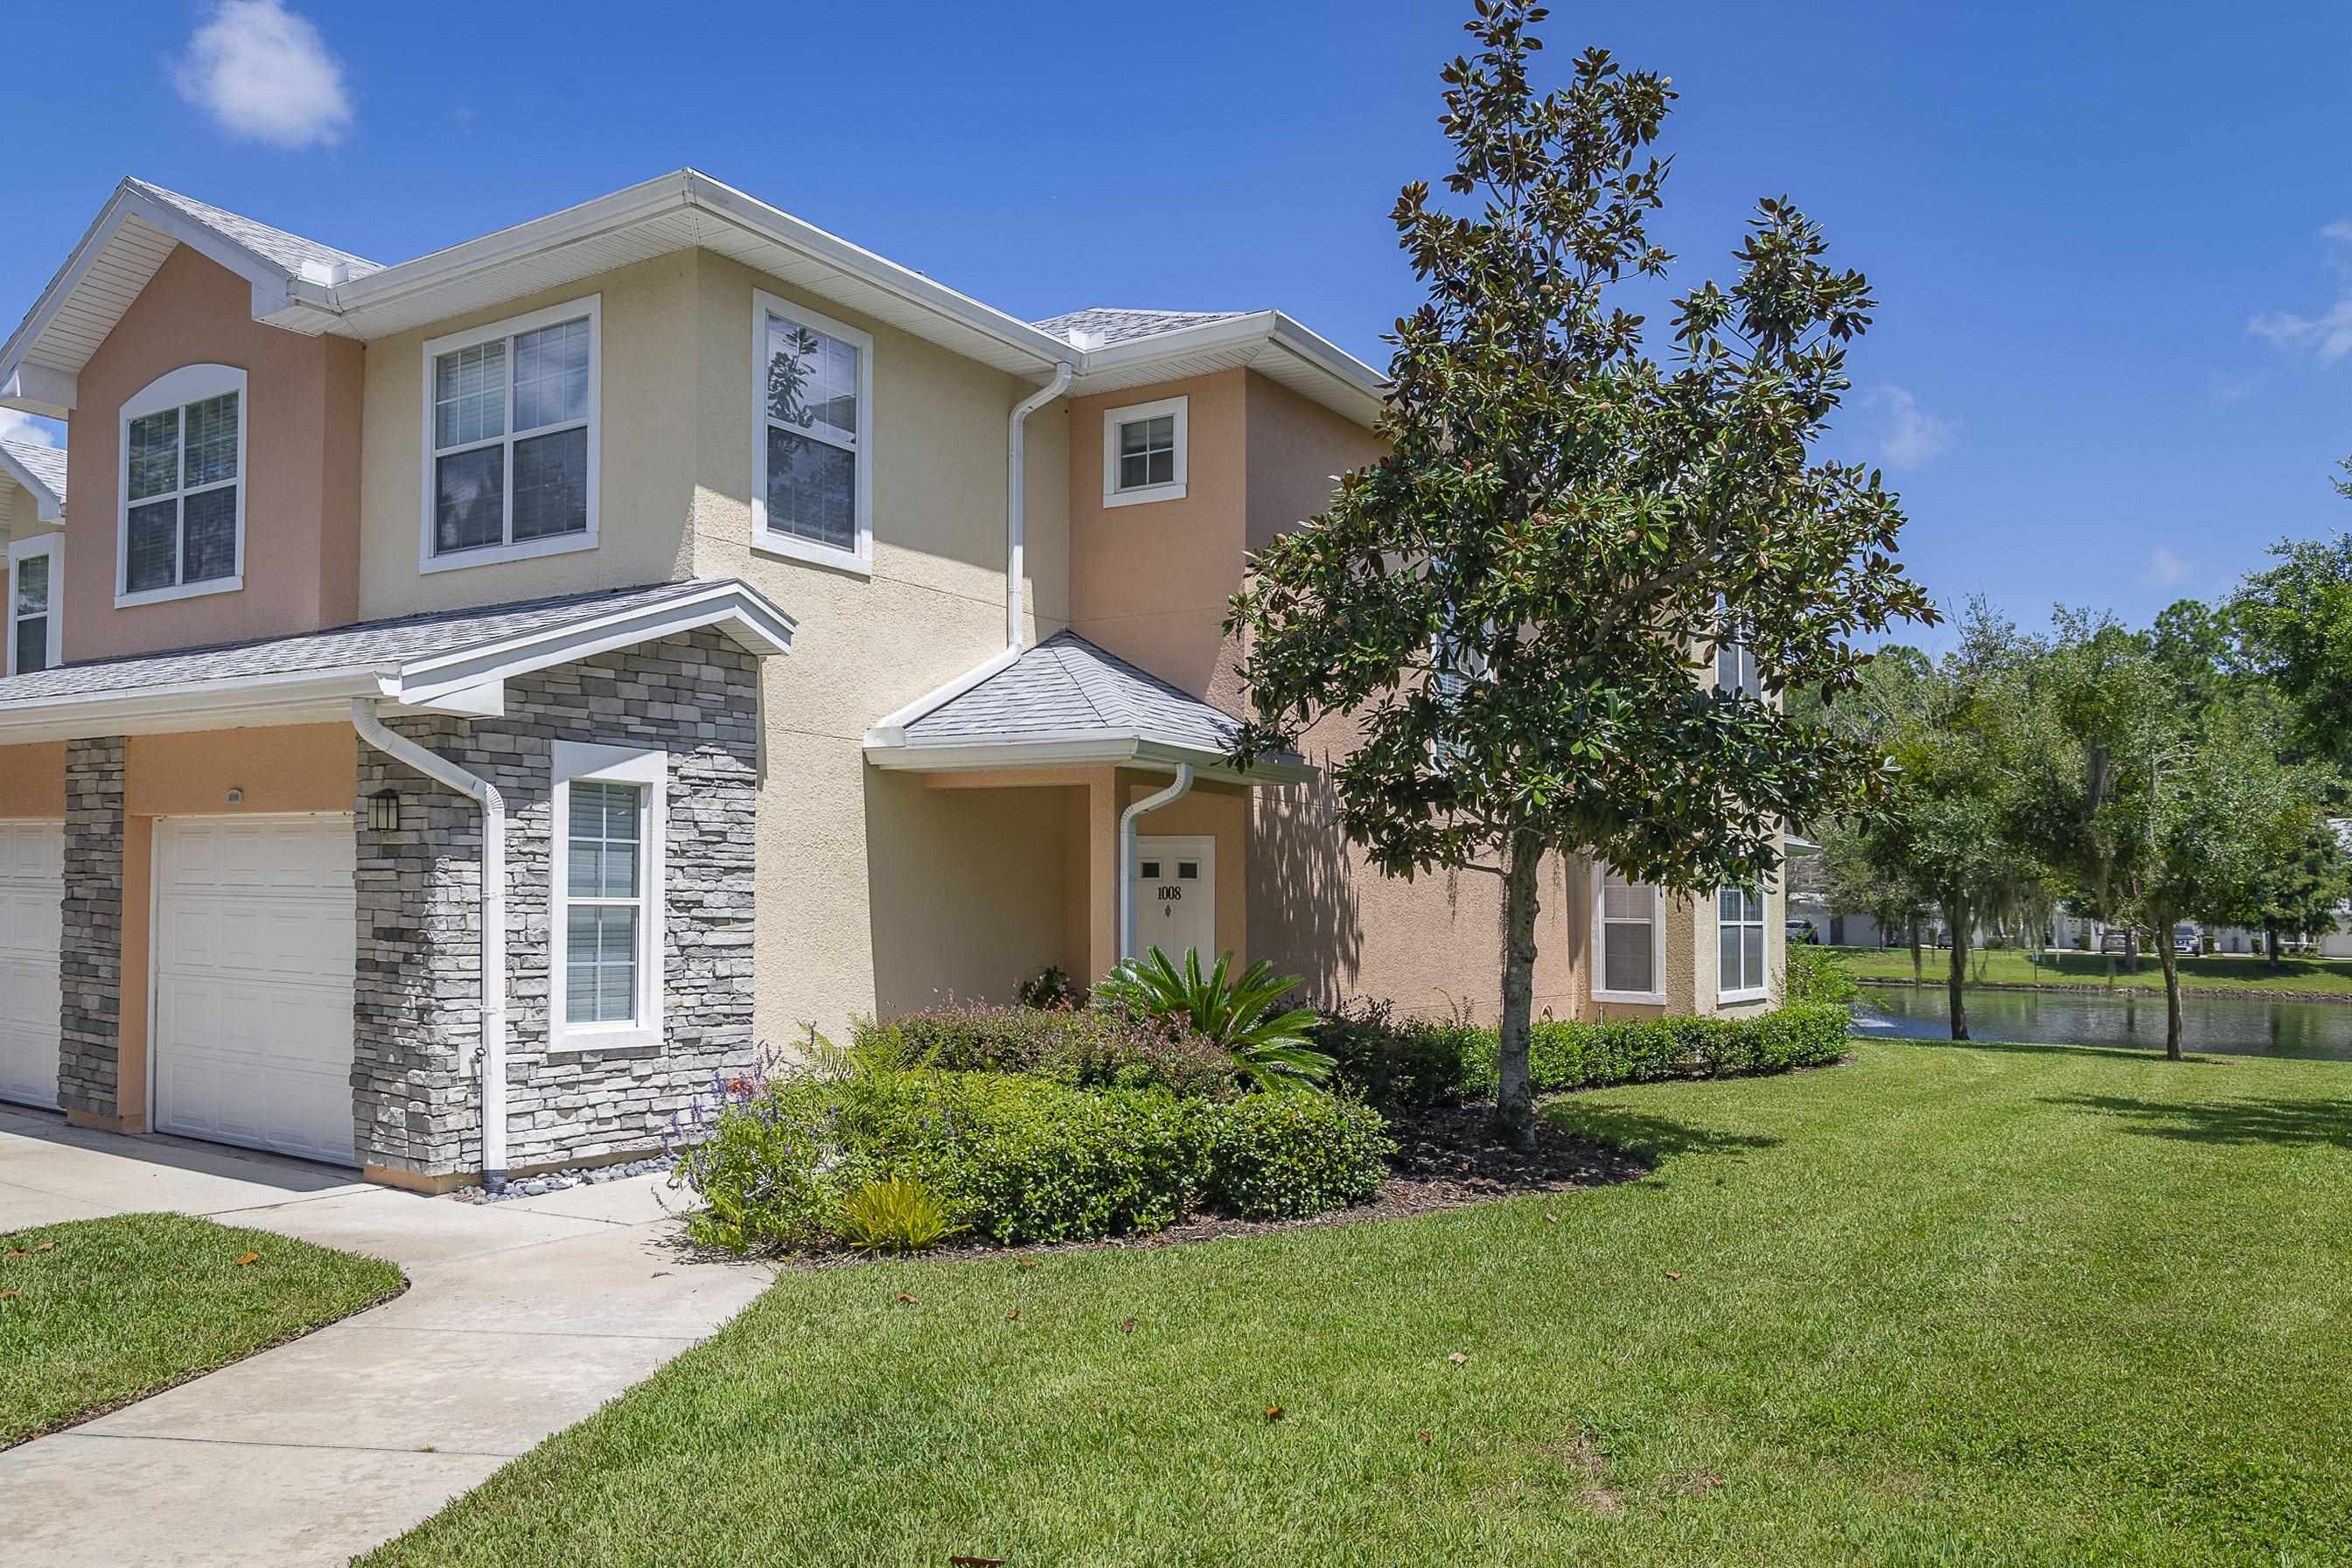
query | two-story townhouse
[491, 694]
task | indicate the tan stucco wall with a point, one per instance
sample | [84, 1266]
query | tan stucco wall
[17, 509]
[876, 892]
[645, 452]
[33, 780]
[302, 395]
[1297, 449]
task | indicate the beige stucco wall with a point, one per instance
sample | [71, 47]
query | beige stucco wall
[33, 780]
[302, 398]
[877, 892]
[645, 452]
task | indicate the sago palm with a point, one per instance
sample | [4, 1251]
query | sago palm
[1269, 1048]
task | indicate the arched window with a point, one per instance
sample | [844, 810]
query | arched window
[179, 521]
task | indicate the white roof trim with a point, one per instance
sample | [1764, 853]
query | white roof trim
[48, 505]
[274, 290]
[1078, 747]
[437, 680]
[1348, 385]
[891, 729]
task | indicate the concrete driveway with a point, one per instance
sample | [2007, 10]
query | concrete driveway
[520, 1318]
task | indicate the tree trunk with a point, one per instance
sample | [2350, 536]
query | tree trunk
[1956, 915]
[2270, 942]
[1515, 1092]
[1916, 976]
[2171, 962]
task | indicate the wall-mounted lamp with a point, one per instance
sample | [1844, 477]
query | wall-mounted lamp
[383, 811]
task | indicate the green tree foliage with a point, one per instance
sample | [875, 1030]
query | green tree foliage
[2294, 626]
[1516, 604]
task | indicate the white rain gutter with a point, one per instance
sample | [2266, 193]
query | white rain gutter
[1175, 791]
[1015, 510]
[493, 1054]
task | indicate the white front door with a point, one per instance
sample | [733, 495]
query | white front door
[254, 924]
[1176, 896]
[32, 918]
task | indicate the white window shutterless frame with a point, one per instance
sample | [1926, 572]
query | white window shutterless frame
[512, 438]
[36, 568]
[1739, 951]
[812, 436]
[609, 816]
[1628, 924]
[1147, 452]
[179, 472]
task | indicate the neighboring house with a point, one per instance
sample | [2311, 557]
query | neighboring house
[32, 524]
[791, 637]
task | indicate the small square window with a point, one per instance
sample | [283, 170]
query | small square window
[1188, 871]
[1149, 871]
[1144, 456]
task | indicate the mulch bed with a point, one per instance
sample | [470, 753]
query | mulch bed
[1446, 1158]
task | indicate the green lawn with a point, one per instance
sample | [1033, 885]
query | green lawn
[96, 1313]
[2252, 975]
[1946, 1305]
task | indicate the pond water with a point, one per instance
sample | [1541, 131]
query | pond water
[2228, 1026]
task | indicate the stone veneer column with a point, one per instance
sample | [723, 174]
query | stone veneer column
[90, 957]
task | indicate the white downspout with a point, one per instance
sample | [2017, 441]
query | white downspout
[494, 923]
[1015, 556]
[1175, 791]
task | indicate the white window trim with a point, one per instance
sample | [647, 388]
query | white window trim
[1601, 942]
[592, 307]
[176, 388]
[52, 546]
[1763, 922]
[574, 760]
[1113, 418]
[774, 541]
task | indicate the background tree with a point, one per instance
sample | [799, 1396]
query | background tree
[1516, 602]
[2293, 627]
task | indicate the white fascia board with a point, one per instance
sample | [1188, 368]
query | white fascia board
[235, 702]
[47, 505]
[891, 729]
[684, 190]
[38, 389]
[273, 287]
[1079, 748]
[741, 611]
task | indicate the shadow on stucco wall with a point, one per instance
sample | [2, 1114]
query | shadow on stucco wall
[1303, 910]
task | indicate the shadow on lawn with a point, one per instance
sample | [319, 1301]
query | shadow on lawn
[2292, 1121]
[1646, 1137]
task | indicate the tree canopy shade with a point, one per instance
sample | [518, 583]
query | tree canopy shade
[1517, 604]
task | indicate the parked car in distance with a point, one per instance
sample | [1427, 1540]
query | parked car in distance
[2187, 939]
[1801, 931]
[2124, 942]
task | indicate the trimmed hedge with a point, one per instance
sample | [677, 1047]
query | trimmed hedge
[1411, 1065]
[1080, 1047]
[1019, 1158]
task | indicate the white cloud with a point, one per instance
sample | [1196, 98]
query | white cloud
[266, 74]
[24, 429]
[2329, 332]
[1909, 436]
[2164, 569]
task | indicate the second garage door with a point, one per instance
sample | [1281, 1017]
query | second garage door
[254, 952]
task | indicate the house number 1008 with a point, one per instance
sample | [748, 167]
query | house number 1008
[1171, 893]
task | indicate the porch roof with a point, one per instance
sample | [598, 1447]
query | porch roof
[452, 661]
[1065, 702]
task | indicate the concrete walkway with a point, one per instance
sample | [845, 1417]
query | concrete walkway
[520, 1318]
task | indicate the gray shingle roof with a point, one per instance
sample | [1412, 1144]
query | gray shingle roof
[368, 646]
[289, 251]
[1065, 683]
[46, 463]
[1099, 326]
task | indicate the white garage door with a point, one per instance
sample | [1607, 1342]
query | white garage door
[254, 937]
[32, 899]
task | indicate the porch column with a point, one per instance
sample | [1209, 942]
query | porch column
[1103, 872]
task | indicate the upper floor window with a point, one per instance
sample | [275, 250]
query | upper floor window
[510, 414]
[1739, 945]
[1628, 918]
[180, 525]
[1144, 452]
[812, 436]
[33, 582]
[1735, 664]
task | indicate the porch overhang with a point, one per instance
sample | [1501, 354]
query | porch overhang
[1081, 749]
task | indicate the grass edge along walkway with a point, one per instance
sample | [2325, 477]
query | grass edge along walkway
[1946, 1305]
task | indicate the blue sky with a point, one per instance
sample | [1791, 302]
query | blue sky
[2113, 242]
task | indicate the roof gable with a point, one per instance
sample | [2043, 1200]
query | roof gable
[40, 469]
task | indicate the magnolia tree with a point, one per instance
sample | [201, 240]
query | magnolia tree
[1516, 604]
